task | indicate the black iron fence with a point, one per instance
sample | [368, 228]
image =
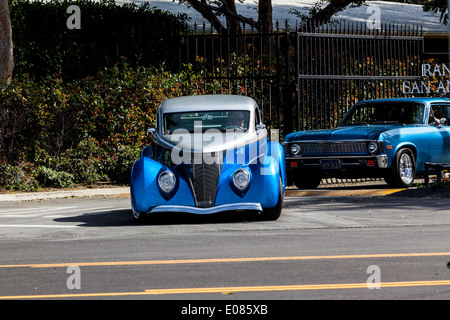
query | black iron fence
[303, 78]
[308, 77]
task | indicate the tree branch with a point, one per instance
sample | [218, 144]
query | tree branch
[324, 15]
[208, 10]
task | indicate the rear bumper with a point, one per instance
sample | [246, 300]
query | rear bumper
[215, 209]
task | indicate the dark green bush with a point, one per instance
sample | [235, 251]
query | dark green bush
[81, 100]
[93, 128]
[56, 179]
[18, 177]
[83, 162]
[119, 162]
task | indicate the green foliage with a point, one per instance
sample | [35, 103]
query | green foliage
[44, 45]
[93, 129]
[17, 177]
[84, 161]
[118, 165]
[56, 179]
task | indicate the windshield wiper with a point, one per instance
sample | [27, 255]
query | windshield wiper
[385, 122]
[389, 122]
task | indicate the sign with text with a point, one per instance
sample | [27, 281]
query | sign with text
[434, 80]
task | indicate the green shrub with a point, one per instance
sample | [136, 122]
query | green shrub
[119, 162]
[92, 128]
[50, 178]
[17, 177]
[84, 162]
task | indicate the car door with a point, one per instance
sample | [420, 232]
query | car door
[439, 150]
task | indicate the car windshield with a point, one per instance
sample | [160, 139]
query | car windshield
[204, 120]
[385, 113]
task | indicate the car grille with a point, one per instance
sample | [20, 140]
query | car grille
[333, 148]
[205, 178]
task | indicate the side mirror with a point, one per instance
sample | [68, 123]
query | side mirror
[151, 131]
[260, 127]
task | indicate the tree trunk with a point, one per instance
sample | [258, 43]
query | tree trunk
[265, 15]
[6, 44]
[232, 22]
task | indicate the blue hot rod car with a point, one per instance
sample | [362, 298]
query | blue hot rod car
[388, 138]
[209, 154]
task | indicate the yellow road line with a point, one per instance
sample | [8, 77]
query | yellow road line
[228, 290]
[223, 260]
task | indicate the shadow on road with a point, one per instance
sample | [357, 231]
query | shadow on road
[120, 218]
[112, 218]
[398, 199]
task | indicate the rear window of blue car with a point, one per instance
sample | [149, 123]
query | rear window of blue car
[200, 121]
[385, 113]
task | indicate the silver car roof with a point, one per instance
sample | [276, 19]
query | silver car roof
[207, 103]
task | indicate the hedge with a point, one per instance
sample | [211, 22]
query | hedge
[92, 129]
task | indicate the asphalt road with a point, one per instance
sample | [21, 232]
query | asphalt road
[360, 243]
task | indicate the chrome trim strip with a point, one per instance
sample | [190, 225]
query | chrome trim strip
[333, 157]
[329, 141]
[215, 209]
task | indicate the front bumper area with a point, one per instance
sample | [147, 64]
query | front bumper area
[251, 206]
[345, 162]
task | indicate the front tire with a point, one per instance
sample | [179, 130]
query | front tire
[306, 180]
[403, 170]
[139, 217]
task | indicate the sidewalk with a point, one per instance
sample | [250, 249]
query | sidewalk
[364, 188]
[29, 196]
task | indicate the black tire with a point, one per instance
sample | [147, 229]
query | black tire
[306, 180]
[272, 214]
[139, 217]
[403, 170]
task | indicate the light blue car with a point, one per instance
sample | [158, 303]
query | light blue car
[209, 154]
[388, 138]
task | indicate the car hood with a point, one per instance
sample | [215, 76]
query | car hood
[207, 143]
[340, 133]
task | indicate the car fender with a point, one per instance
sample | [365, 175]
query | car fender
[144, 186]
[264, 186]
[394, 142]
[276, 151]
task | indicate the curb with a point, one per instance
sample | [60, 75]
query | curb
[123, 192]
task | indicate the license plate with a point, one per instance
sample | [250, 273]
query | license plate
[330, 164]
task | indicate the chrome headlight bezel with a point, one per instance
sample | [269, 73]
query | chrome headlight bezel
[295, 149]
[167, 181]
[372, 147]
[241, 179]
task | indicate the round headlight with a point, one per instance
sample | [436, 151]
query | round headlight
[166, 181]
[241, 178]
[295, 149]
[372, 147]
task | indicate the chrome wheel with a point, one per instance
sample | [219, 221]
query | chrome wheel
[139, 216]
[403, 170]
[406, 169]
[136, 214]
